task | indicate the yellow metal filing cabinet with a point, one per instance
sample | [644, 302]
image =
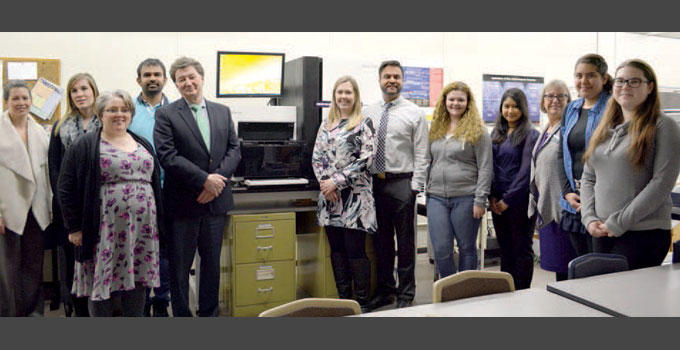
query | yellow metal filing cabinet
[262, 257]
[314, 270]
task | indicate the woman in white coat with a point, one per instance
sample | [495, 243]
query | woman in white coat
[25, 204]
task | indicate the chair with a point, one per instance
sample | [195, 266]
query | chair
[315, 307]
[594, 264]
[676, 252]
[471, 283]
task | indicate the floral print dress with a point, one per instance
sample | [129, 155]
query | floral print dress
[128, 246]
[345, 156]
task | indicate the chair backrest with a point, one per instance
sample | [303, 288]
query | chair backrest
[471, 283]
[676, 252]
[594, 264]
[315, 307]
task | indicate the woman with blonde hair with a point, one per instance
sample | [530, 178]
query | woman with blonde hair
[342, 155]
[544, 198]
[459, 178]
[631, 166]
[78, 120]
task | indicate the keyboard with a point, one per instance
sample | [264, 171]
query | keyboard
[275, 182]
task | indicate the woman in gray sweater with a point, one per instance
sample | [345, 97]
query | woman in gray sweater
[544, 197]
[459, 178]
[630, 169]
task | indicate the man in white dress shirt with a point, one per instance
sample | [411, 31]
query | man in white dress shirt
[400, 169]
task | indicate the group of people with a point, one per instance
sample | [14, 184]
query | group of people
[130, 188]
[596, 178]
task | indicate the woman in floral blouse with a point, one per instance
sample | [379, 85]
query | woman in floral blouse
[342, 156]
[109, 188]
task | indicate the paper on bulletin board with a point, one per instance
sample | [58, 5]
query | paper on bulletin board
[22, 70]
[46, 97]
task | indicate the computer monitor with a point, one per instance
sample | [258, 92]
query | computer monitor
[249, 74]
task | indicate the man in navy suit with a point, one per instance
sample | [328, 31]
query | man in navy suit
[198, 149]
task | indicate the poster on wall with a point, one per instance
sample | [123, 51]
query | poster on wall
[494, 85]
[422, 85]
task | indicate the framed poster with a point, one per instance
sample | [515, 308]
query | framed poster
[493, 87]
[422, 86]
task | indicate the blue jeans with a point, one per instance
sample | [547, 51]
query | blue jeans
[449, 218]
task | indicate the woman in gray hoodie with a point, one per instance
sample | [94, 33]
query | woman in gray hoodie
[630, 169]
[459, 178]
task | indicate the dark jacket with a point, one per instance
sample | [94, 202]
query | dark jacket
[187, 161]
[512, 170]
[55, 154]
[79, 188]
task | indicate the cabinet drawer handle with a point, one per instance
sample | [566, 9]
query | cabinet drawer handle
[260, 290]
[265, 248]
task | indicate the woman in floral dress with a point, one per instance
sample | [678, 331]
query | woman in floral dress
[342, 156]
[117, 241]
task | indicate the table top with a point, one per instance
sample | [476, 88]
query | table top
[653, 291]
[521, 303]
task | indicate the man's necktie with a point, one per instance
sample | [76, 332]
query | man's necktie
[380, 148]
[203, 123]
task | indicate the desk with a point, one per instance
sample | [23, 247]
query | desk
[521, 303]
[653, 291]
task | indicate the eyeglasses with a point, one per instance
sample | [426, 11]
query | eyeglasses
[633, 82]
[560, 97]
[116, 110]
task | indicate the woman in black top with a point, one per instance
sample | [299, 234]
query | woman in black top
[78, 120]
[513, 140]
[580, 119]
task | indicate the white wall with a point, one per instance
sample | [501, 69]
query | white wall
[112, 58]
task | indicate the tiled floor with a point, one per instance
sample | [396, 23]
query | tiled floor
[424, 275]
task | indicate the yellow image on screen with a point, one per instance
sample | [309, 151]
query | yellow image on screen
[250, 74]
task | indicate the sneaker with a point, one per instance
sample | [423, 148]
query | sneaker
[380, 301]
[402, 303]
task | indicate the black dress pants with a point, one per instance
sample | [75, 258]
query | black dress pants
[515, 231]
[185, 235]
[395, 212]
[642, 248]
[21, 271]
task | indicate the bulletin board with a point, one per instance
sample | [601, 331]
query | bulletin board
[47, 68]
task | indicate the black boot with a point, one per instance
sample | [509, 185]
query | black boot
[160, 308]
[361, 276]
[342, 274]
[80, 306]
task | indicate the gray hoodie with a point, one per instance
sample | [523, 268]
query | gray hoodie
[626, 198]
[460, 169]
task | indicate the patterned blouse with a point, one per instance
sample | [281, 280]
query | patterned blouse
[345, 156]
